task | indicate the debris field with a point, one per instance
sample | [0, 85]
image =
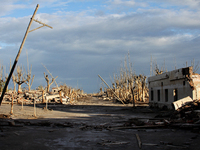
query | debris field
[93, 123]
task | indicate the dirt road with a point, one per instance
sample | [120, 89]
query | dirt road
[90, 123]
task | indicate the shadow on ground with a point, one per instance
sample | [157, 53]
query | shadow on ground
[89, 126]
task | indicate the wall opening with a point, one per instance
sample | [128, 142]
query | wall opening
[166, 95]
[175, 92]
[183, 83]
[158, 92]
[151, 95]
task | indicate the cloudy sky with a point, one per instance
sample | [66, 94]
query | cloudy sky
[91, 37]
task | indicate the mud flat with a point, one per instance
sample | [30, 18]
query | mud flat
[90, 123]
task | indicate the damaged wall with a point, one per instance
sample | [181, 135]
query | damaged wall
[171, 86]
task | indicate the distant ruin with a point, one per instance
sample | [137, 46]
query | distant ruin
[165, 88]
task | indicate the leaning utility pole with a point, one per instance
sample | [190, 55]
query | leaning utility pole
[20, 49]
[111, 89]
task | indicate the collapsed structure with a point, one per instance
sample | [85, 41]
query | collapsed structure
[63, 94]
[168, 87]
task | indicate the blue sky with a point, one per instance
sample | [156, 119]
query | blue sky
[94, 37]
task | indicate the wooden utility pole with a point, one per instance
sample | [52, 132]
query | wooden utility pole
[20, 49]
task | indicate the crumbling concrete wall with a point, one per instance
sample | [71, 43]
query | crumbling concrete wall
[168, 87]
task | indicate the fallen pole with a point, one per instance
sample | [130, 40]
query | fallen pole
[139, 141]
[111, 89]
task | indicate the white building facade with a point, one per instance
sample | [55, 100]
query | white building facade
[171, 86]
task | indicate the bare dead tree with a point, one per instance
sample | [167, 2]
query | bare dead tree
[151, 67]
[41, 88]
[157, 70]
[5, 76]
[50, 74]
[29, 81]
[34, 108]
[195, 66]
[175, 65]
[11, 110]
[1, 78]
[129, 86]
[20, 78]
[13, 79]
[48, 82]
[60, 94]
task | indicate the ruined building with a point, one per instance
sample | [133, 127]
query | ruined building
[171, 86]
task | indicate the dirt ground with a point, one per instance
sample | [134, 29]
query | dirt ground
[89, 123]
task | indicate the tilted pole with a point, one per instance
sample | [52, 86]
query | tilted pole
[17, 57]
[111, 89]
[20, 49]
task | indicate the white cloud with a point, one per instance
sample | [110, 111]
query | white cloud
[122, 2]
[7, 8]
[82, 45]
[194, 4]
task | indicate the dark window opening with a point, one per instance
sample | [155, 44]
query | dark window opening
[184, 83]
[151, 95]
[158, 92]
[166, 95]
[161, 83]
[185, 71]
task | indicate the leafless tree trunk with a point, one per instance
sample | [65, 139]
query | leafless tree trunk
[13, 79]
[60, 94]
[11, 111]
[1, 79]
[130, 87]
[29, 81]
[43, 91]
[195, 67]
[22, 100]
[48, 83]
[43, 99]
[20, 78]
[34, 108]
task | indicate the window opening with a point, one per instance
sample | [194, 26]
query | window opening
[158, 95]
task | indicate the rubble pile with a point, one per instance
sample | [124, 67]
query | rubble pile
[187, 115]
[60, 95]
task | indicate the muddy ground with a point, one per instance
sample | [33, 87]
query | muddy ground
[89, 123]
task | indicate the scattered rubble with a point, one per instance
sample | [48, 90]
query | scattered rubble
[103, 127]
[66, 95]
[187, 116]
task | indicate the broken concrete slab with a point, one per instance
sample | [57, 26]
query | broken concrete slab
[178, 104]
